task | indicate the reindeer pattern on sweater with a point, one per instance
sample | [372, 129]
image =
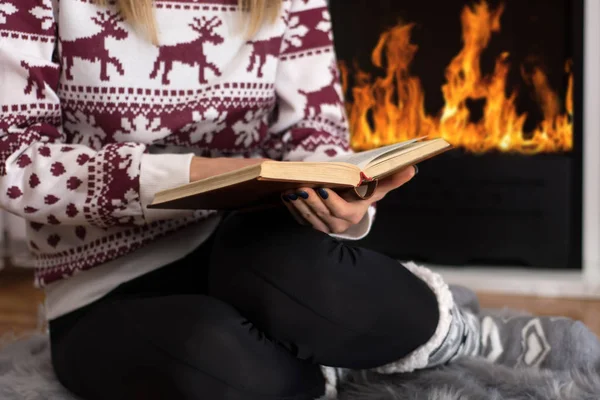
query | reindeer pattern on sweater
[95, 119]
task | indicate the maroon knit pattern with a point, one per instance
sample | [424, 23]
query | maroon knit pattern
[90, 99]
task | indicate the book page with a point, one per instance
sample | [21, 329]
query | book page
[363, 158]
[388, 164]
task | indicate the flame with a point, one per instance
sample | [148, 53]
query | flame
[390, 108]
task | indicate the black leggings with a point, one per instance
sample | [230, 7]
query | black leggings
[251, 314]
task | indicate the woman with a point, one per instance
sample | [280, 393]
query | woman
[105, 105]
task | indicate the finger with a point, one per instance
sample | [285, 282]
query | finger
[318, 207]
[292, 210]
[350, 211]
[306, 213]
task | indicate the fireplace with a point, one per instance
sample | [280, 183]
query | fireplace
[502, 81]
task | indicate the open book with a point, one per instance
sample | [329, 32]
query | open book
[265, 182]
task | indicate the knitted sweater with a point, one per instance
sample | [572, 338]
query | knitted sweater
[95, 119]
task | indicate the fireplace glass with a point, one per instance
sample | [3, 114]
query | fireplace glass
[501, 81]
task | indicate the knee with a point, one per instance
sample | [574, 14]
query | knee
[409, 326]
[425, 317]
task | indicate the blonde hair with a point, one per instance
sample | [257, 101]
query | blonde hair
[140, 14]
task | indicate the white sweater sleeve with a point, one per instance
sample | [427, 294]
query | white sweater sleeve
[46, 180]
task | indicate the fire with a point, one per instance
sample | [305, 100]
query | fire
[390, 108]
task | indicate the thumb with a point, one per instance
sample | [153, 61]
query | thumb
[396, 180]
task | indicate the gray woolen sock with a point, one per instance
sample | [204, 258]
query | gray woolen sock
[544, 342]
[463, 339]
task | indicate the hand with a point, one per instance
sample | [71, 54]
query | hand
[329, 212]
[202, 167]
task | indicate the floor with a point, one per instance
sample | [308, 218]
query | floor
[19, 301]
[19, 304]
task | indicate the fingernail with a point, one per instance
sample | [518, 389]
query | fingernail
[292, 196]
[323, 193]
[285, 198]
[416, 169]
[303, 194]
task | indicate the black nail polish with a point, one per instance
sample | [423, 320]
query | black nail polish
[416, 169]
[303, 194]
[323, 193]
[292, 196]
[285, 198]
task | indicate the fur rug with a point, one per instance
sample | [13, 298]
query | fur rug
[26, 371]
[475, 379]
[26, 374]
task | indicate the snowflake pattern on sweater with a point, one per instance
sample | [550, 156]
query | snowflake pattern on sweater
[85, 108]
